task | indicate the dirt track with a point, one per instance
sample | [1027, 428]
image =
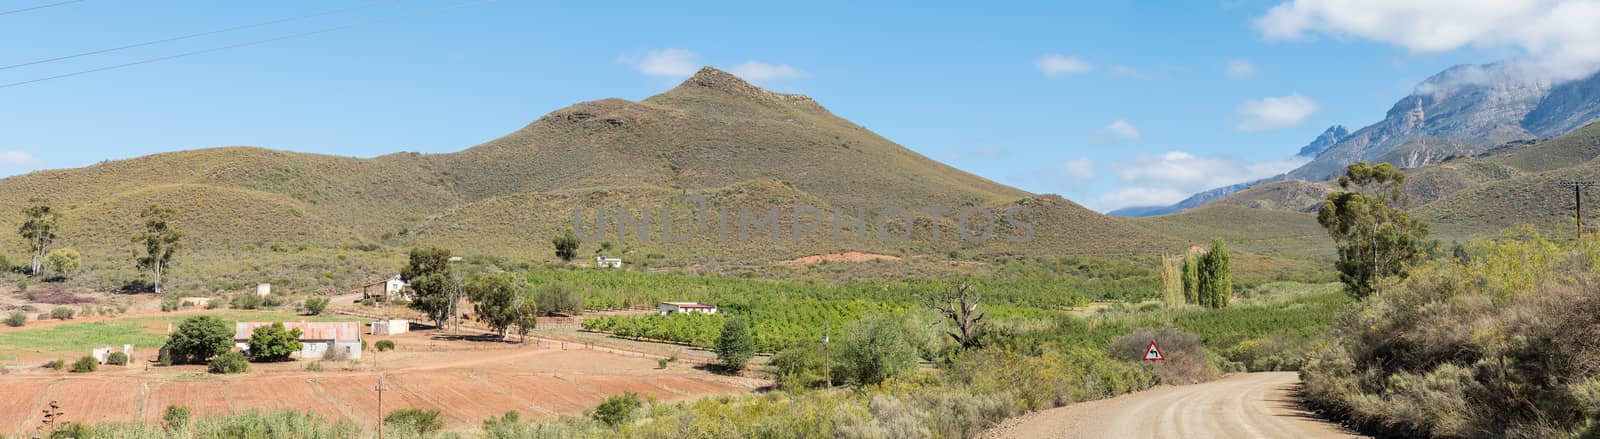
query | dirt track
[1254, 405]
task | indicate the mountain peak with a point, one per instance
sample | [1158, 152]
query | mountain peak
[1327, 139]
[713, 79]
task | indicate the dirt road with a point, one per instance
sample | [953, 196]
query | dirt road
[1253, 405]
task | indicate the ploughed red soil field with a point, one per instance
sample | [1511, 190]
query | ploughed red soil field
[465, 380]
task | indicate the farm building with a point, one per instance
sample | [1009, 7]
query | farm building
[388, 289]
[263, 289]
[669, 308]
[319, 340]
[605, 262]
[390, 327]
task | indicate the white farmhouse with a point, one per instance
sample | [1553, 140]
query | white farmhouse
[318, 340]
[669, 308]
[605, 262]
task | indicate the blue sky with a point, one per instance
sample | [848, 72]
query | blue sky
[1110, 103]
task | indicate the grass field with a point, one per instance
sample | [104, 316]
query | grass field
[142, 332]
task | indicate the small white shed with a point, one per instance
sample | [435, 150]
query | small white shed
[605, 262]
[263, 289]
[390, 327]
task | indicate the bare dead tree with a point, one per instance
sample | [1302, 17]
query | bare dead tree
[959, 304]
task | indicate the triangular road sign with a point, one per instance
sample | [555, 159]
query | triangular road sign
[1153, 353]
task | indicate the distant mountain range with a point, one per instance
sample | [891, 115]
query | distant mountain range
[1462, 111]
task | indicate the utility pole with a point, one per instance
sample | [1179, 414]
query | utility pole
[827, 366]
[380, 388]
[1577, 194]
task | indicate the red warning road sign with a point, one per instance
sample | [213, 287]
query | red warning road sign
[1153, 353]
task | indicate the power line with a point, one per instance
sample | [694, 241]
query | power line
[31, 8]
[248, 43]
[199, 34]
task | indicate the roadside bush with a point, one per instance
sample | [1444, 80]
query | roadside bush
[384, 345]
[618, 409]
[229, 362]
[176, 417]
[1501, 344]
[1187, 361]
[61, 313]
[117, 359]
[874, 349]
[800, 366]
[315, 305]
[85, 365]
[56, 364]
[421, 421]
[16, 319]
[198, 339]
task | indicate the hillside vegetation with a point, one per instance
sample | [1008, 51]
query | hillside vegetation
[252, 214]
[1499, 342]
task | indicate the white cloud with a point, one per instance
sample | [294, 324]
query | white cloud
[1119, 130]
[1054, 65]
[1275, 112]
[1558, 35]
[664, 62]
[757, 71]
[1137, 197]
[17, 159]
[1240, 69]
[1160, 72]
[1163, 179]
[1079, 169]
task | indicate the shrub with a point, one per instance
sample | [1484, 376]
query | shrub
[874, 349]
[176, 417]
[61, 313]
[384, 345]
[57, 364]
[170, 303]
[16, 319]
[800, 366]
[661, 363]
[1187, 361]
[509, 426]
[617, 409]
[198, 339]
[735, 346]
[315, 366]
[22, 286]
[85, 365]
[245, 301]
[315, 305]
[64, 261]
[117, 359]
[422, 421]
[558, 299]
[229, 362]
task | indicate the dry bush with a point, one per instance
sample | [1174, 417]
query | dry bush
[1187, 361]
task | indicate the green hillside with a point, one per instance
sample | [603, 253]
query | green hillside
[317, 222]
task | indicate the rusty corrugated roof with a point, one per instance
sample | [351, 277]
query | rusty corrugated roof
[339, 331]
